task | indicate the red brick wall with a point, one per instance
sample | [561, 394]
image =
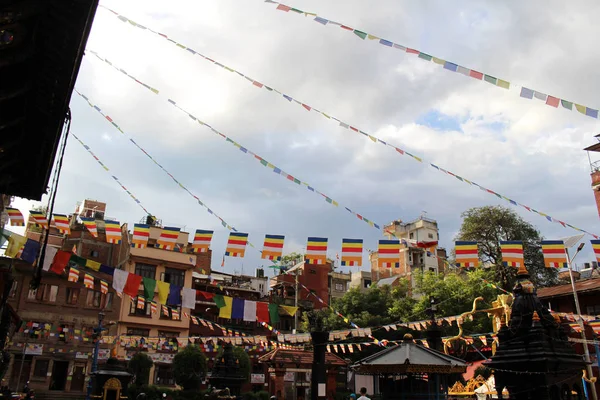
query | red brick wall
[316, 278]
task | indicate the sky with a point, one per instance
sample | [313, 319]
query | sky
[520, 148]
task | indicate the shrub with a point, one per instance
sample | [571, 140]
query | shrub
[189, 367]
[140, 365]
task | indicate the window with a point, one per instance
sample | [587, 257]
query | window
[72, 296]
[339, 287]
[46, 293]
[145, 270]
[41, 368]
[144, 312]
[174, 276]
[366, 283]
[164, 375]
[171, 310]
[430, 235]
[411, 236]
[108, 301]
[93, 299]
[432, 270]
[94, 253]
[168, 335]
[13, 289]
[593, 310]
[138, 332]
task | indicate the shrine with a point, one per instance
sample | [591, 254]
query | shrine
[110, 382]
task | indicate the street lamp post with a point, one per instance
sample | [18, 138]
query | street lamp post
[97, 337]
[586, 352]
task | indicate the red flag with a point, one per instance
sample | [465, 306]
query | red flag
[132, 286]
[223, 262]
[205, 295]
[262, 312]
[61, 259]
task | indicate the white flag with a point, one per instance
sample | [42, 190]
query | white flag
[250, 311]
[119, 280]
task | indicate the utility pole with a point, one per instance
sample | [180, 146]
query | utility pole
[97, 337]
[296, 294]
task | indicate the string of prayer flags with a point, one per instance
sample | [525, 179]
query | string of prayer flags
[168, 238]
[512, 253]
[39, 218]
[88, 281]
[467, 254]
[163, 291]
[141, 234]
[15, 216]
[389, 253]
[73, 274]
[316, 250]
[554, 253]
[61, 222]
[87, 148]
[400, 151]
[273, 247]
[165, 310]
[236, 245]
[596, 248]
[202, 241]
[103, 286]
[90, 224]
[352, 252]
[113, 231]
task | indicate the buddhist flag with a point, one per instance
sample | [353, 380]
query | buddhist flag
[103, 287]
[39, 219]
[141, 304]
[88, 281]
[554, 252]
[153, 306]
[175, 314]
[596, 247]
[202, 240]
[352, 252]
[16, 218]
[90, 224]
[595, 324]
[316, 250]
[141, 233]
[467, 254]
[168, 238]
[389, 253]
[62, 224]
[512, 253]
[165, 311]
[236, 246]
[113, 231]
[273, 247]
[73, 274]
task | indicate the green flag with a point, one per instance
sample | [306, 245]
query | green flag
[149, 286]
[219, 300]
[274, 313]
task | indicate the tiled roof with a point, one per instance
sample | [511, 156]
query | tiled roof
[581, 286]
[387, 281]
[299, 356]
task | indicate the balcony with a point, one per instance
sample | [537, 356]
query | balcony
[290, 301]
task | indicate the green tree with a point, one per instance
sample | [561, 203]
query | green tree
[139, 365]
[491, 224]
[240, 355]
[189, 367]
[289, 260]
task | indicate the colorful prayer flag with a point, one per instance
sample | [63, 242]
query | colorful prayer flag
[554, 252]
[141, 304]
[352, 252]
[225, 310]
[16, 218]
[467, 254]
[316, 250]
[88, 281]
[103, 287]
[153, 306]
[141, 233]
[512, 253]
[90, 224]
[273, 247]
[202, 240]
[165, 311]
[168, 238]
[236, 246]
[132, 285]
[389, 253]
[113, 231]
[39, 219]
[596, 247]
[62, 224]
[73, 274]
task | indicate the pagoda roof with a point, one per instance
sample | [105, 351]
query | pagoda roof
[288, 356]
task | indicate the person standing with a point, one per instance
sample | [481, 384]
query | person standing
[363, 394]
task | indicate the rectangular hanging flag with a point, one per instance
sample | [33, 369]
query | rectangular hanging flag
[512, 253]
[225, 311]
[202, 240]
[39, 219]
[175, 314]
[273, 247]
[316, 250]
[389, 253]
[62, 224]
[141, 304]
[153, 306]
[16, 218]
[236, 246]
[141, 233]
[467, 254]
[73, 274]
[554, 252]
[352, 252]
[113, 231]
[596, 247]
[88, 281]
[90, 224]
[168, 238]
[103, 287]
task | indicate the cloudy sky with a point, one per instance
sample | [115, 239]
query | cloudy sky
[520, 148]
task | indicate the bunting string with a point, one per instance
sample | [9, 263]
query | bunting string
[374, 139]
[87, 148]
[524, 92]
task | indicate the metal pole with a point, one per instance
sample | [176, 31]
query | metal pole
[21, 368]
[95, 356]
[296, 303]
[586, 352]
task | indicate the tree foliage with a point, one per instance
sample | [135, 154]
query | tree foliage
[240, 355]
[189, 367]
[491, 224]
[139, 365]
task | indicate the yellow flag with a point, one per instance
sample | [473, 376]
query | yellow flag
[163, 291]
[225, 311]
[91, 264]
[15, 242]
[290, 310]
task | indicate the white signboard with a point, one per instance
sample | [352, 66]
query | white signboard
[257, 378]
[34, 349]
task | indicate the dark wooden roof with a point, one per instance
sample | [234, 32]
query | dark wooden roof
[41, 47]
[293, 357]
[582, 286]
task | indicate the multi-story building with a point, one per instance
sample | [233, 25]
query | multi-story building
[339, 283]
[361, 280]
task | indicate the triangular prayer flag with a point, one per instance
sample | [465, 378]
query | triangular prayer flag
[290, 310]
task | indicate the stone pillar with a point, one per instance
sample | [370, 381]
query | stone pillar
[279, 387]
[319, 377]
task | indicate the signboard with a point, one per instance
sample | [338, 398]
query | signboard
[34, 349]
[289, 377]
[103, 354]
[257, 378]
[81, 355]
